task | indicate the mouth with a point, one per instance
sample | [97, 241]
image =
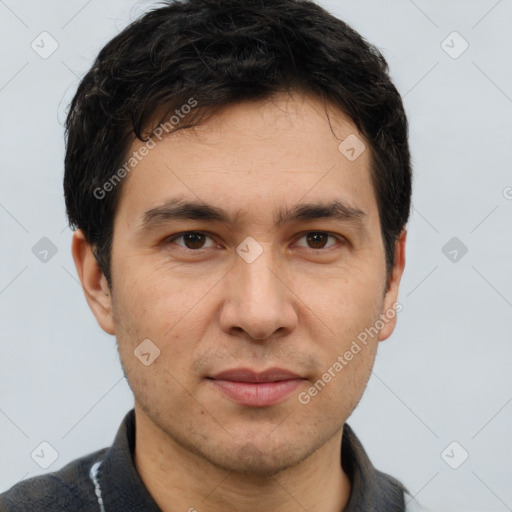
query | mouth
[256, 389]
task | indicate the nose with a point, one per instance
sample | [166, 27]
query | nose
[258, 302]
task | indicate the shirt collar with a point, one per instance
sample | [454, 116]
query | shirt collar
[122, 488]
[371, 489]
[120, 484]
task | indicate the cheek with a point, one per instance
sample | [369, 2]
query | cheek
[346, 305]
[149, 301]
[351, 308]
[147, 307]
[337, 391]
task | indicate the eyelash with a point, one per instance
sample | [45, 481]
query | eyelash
[171, 239]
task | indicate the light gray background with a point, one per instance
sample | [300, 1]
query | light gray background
[443, 376]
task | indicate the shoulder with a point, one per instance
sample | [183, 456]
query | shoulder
[396, 492]
[69, 488]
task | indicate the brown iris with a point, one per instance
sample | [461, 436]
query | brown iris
[317, 239]
[194, 240]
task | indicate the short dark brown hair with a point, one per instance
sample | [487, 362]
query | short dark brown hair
[219, 52]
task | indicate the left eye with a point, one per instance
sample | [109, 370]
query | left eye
[318, 239]
[192, 239]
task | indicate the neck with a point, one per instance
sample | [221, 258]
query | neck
[179, 480]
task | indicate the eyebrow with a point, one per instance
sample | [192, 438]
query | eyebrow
[181, 209]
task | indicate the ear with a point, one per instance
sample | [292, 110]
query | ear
[93, 281]
[391, 296]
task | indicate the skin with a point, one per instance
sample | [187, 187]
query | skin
[298, 306]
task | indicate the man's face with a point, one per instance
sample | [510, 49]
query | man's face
[250, 293]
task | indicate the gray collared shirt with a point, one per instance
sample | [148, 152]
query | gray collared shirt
[107, 481]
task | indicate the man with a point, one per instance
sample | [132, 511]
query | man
[239, 176]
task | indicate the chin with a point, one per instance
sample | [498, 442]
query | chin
[250, 460]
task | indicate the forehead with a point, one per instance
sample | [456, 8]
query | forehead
[254, 158]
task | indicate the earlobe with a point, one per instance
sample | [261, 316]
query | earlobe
[93, 281]
[390, 310]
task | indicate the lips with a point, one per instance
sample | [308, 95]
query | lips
[248, 375]
[256, 389]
